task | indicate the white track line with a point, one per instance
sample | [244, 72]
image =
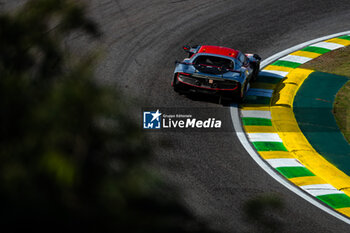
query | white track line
[297, 59]
[256, 114]
[272, 172]
[276, 56]
[327, 45]
[264, 137]
[284, 163]
[321, 189]
[274, 73]
[234, 111]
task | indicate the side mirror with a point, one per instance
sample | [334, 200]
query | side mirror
[256, 56]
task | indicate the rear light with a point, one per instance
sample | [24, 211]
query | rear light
[234, 85]
[182, 75]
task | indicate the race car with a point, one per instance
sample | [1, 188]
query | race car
[216, 70]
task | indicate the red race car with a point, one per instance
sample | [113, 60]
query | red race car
[216, 70]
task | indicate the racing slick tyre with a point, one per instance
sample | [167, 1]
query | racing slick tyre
[176, 84]
[256, 71]
[240, 98]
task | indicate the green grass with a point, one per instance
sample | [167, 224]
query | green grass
[337, 62]
[341, 110]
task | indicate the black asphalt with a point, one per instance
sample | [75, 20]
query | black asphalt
[143, 38]
[215, 174]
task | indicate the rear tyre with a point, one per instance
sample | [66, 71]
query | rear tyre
[176, 84]
[241, 96]
[256, 71]
[237, 97]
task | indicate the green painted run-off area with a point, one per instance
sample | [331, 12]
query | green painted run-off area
[313, 106]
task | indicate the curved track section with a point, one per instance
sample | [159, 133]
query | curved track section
[279, 112]
[213, 170]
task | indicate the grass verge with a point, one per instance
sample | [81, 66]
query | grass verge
[337, 62]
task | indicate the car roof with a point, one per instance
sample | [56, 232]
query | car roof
[219, 50]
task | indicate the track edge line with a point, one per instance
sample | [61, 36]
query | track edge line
[234, 112]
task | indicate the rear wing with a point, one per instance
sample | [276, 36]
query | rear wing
[191, 49]
[253, 57]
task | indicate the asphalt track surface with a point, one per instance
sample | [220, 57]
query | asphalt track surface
[212, 170]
